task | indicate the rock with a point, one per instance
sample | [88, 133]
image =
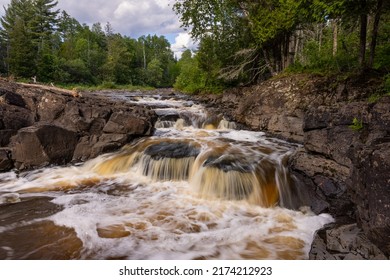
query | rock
[6, 163]
[122, 123]
[29, 113]
[11, 98]
[14, 118]
[344, 172]
[287, 127]
[50, 106]
[9, 198]
[313, 164]
[344, 242]
[371, 192]
[172, 150]
[41, 145]
[83, 150]
[5, 136]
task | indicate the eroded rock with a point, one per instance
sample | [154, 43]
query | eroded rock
[41, 145]
[45, 125]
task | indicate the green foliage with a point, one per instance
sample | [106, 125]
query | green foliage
[108, 85]
[154, 73]
[246, 41]
[191, 78]
[39, 40]
[241, 42]
[386, 84]
[21, 53]
[320, 60]
[74, 71]
[382, 60]
[356, 125]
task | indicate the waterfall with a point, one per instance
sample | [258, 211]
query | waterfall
[198, 189]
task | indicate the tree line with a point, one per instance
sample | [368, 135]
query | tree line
[241, 42]
[38, 40]
[244, 42]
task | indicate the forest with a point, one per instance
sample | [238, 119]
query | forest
[38, 40]
[240, 43]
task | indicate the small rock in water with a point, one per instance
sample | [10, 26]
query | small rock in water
[9, 198]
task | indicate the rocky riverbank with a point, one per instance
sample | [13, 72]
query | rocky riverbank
[41, 125]
[343, 164]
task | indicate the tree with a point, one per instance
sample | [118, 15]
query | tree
[43, 22]
[270, 24]
[117, 66]
[191, 78]
[15, 34]
[154, 73]
[21, 53]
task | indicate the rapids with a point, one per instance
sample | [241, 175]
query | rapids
[200, 188]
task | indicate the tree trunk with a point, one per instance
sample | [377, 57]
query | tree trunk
[296, 47]
[285, 52]
[375, 32]
[335, 36]
[320, 37]
[268, 62]
[363, 35]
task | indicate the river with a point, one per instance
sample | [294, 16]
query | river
[200, 188]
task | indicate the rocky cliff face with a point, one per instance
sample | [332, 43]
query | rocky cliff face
[344, 168]
[347, 165]
[40, 126]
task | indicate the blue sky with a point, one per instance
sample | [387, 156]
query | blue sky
[130, 17]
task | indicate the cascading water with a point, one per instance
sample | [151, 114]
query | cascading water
[198, 189]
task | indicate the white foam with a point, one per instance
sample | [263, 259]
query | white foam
[167, 220]
[223, 229]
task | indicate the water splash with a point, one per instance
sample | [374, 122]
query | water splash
[196, 190]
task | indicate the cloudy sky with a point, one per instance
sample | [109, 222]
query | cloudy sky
[129, 17]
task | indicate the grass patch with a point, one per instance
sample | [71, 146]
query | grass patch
[356, 125]
[104, 86]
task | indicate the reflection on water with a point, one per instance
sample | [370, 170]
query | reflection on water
[198, 189]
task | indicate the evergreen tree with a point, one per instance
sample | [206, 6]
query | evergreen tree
[16, 36]
[21, 52]
[44, 22]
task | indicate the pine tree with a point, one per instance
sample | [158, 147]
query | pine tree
[44, 22]
[16, 35]
[21, 53]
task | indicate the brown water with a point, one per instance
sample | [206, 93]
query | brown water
[198, 189]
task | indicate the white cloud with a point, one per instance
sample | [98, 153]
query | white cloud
[128, 17]
[133, 18]
[183, 41]
[131, 8]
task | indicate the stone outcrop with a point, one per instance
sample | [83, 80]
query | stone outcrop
[42, 125]
[345, 169]
[344, 242]
[354, 178]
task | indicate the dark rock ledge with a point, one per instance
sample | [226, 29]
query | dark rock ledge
[345, 171]
[40, 125]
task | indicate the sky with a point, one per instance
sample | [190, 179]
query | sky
[133, 18]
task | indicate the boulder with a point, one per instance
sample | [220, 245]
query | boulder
[6, 163]
[123, 123]
[11, 98]
[14, 118]
[371, 192]
[41, 145]
[5, 136]
[46, 125]
[344, 242]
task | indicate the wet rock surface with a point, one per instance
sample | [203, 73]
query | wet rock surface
[344, 242]
[41, 125]
[345, 168]
[172, 150]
